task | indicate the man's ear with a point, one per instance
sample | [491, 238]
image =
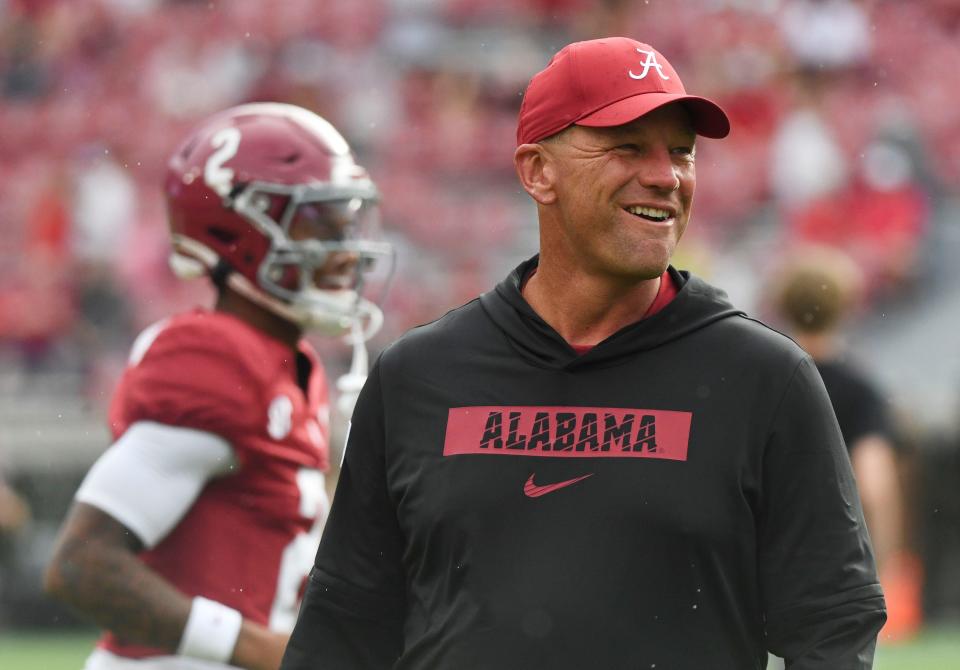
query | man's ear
[537, 172]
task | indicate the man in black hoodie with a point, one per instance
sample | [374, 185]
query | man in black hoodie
[600, 463]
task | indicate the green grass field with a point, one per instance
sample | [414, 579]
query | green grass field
[935, 649]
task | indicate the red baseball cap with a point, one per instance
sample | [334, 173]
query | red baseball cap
[608, 82]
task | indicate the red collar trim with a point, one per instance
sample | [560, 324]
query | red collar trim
[665, 294]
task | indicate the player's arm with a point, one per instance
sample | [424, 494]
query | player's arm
[353, 609]
[14, 511]
[875, 466]
[871, 433]
[135, 493]
[822, 601]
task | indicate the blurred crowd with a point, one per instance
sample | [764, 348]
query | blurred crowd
[846, 134]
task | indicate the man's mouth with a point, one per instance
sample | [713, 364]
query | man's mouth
[654, 214]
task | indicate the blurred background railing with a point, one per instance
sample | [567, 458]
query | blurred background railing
[846, 120]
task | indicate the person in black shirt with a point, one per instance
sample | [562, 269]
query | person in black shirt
[815, 294]
[600, 463]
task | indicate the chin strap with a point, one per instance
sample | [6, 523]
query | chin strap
[349, 385]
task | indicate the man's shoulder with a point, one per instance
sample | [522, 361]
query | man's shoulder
[850, 385]
[212, 338]
[456, 329]
[755, 340]
[846, 372]
[206, 329]
[728, 327]
[197, 369]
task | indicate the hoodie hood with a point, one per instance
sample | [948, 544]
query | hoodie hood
[696, 305]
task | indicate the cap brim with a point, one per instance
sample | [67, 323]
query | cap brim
[708, 118]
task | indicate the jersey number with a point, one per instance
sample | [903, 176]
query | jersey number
[298, 556]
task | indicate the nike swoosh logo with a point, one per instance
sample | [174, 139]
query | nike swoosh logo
[531, 490]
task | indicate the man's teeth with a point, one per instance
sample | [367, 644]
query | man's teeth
[649, 212]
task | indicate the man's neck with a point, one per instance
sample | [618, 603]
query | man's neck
[273, 325]
[584, 309]
[820, 346]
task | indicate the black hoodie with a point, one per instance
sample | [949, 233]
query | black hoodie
[678, 497]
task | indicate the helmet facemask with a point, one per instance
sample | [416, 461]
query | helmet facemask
[325, 257]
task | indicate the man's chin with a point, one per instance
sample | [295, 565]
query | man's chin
[646, 269]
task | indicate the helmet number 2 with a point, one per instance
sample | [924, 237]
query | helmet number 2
[226, 142]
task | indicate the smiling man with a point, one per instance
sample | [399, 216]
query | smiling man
[601, 462]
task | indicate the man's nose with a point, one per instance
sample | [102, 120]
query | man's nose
[341, 262]
[658, 171]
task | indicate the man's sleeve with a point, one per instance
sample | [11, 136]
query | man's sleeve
[869, 414]
[353, 609]
[152, 475]
[822, 599]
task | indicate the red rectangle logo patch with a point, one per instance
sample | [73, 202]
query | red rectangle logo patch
[568, 432]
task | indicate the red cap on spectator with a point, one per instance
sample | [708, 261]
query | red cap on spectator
[608, 82]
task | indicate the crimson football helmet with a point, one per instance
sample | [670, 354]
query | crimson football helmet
[267, 197]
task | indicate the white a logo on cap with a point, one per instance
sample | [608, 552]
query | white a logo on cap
[650, 62]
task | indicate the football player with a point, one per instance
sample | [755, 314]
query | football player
[190, 538]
